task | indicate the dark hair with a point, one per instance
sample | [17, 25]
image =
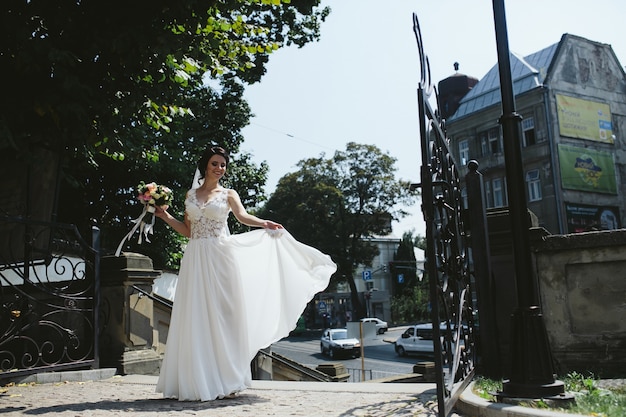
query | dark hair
[208, 153]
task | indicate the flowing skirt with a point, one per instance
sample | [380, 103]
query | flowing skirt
[234, 296]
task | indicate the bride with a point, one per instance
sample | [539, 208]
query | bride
[236, 294]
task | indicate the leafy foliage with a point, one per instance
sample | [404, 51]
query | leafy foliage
[81, 73]
[404, 263]
[589, 398]
[411, 306]
[410, 302]
[336, 204]
[487, 388]
[131, 91]
[104, 187]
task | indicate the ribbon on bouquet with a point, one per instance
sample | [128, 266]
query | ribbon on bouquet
[145, 229]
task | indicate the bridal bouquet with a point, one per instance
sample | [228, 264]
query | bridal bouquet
[150, 195]
[153, 194]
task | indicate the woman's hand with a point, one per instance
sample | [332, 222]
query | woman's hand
[161, 211]
[272, 225]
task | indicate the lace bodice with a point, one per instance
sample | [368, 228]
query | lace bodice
[208, 220]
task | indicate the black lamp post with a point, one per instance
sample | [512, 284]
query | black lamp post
[532, 370]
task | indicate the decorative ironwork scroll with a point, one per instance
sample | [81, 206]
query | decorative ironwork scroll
[49, 279]
[447, 254]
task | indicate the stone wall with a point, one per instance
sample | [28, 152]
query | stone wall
[127, 315]
[582, 281]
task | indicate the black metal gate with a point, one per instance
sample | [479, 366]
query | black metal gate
[447, 253]
[49, 286]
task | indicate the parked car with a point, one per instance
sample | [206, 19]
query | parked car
[335, 342]
[381, 326]
[425, 330]
[416, 339]
[419, 338]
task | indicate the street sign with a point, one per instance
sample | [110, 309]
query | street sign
[400, 278]
[321, 306]
[367, 275]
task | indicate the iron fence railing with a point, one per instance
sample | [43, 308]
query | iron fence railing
[163, 302]
[49, 297]
[447, 253]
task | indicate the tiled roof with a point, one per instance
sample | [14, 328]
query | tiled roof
[527, 73]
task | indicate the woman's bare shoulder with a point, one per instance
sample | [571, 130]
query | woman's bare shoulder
[231, 192]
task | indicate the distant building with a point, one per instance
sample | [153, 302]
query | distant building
[572, 100]
[452, 90]
[376, 276]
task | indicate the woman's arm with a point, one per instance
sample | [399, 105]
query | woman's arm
[244, 217]
[181, 227]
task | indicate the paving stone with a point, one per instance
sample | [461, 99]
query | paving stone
[134, 396]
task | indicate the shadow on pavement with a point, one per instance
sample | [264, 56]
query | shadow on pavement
[418, 406]
[143, 405]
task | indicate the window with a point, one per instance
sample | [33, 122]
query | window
[484, 144]
[464, 152]
[488, 196]
[528, 129]
[495, 142]
[490, 141]
[495, 193]
[534, 185]
[498, 193]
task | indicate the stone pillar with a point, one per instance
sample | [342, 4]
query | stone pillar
[503, 286]
[262, 365]
[126, 314]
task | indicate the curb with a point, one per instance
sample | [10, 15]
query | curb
[472, 405]
[70, 376]
[139, 379]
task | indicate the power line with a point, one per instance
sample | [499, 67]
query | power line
[294, 136]
[289, 135]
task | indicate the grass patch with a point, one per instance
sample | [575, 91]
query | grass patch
[590, 398]
[486, 388]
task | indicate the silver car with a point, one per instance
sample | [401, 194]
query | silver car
[335, 342]
[381, 326]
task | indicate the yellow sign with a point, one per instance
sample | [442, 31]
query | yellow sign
[584, 119]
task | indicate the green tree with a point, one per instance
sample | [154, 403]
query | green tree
[410, 298]
[98, 92]
[404, 264]
[105, 188]
[76, 73]
[336, 204]
[411, 307]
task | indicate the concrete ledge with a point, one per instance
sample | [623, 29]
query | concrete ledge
[472, 405]
[73, 376]
[402, 378]
[362, 387]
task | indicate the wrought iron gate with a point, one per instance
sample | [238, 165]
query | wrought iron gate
[49, 280]
[447, 253]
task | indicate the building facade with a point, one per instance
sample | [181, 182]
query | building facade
[571, 97]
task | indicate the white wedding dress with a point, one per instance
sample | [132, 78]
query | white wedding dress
[235, 294]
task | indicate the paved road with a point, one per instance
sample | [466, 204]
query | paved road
[380, 358]
[134, 396]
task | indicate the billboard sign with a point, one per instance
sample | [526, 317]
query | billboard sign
[584, 119]
[585, 169]
[584, 218]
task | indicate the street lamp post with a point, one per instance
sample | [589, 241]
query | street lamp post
[532, 370]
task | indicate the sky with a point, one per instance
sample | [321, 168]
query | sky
[359, 82]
